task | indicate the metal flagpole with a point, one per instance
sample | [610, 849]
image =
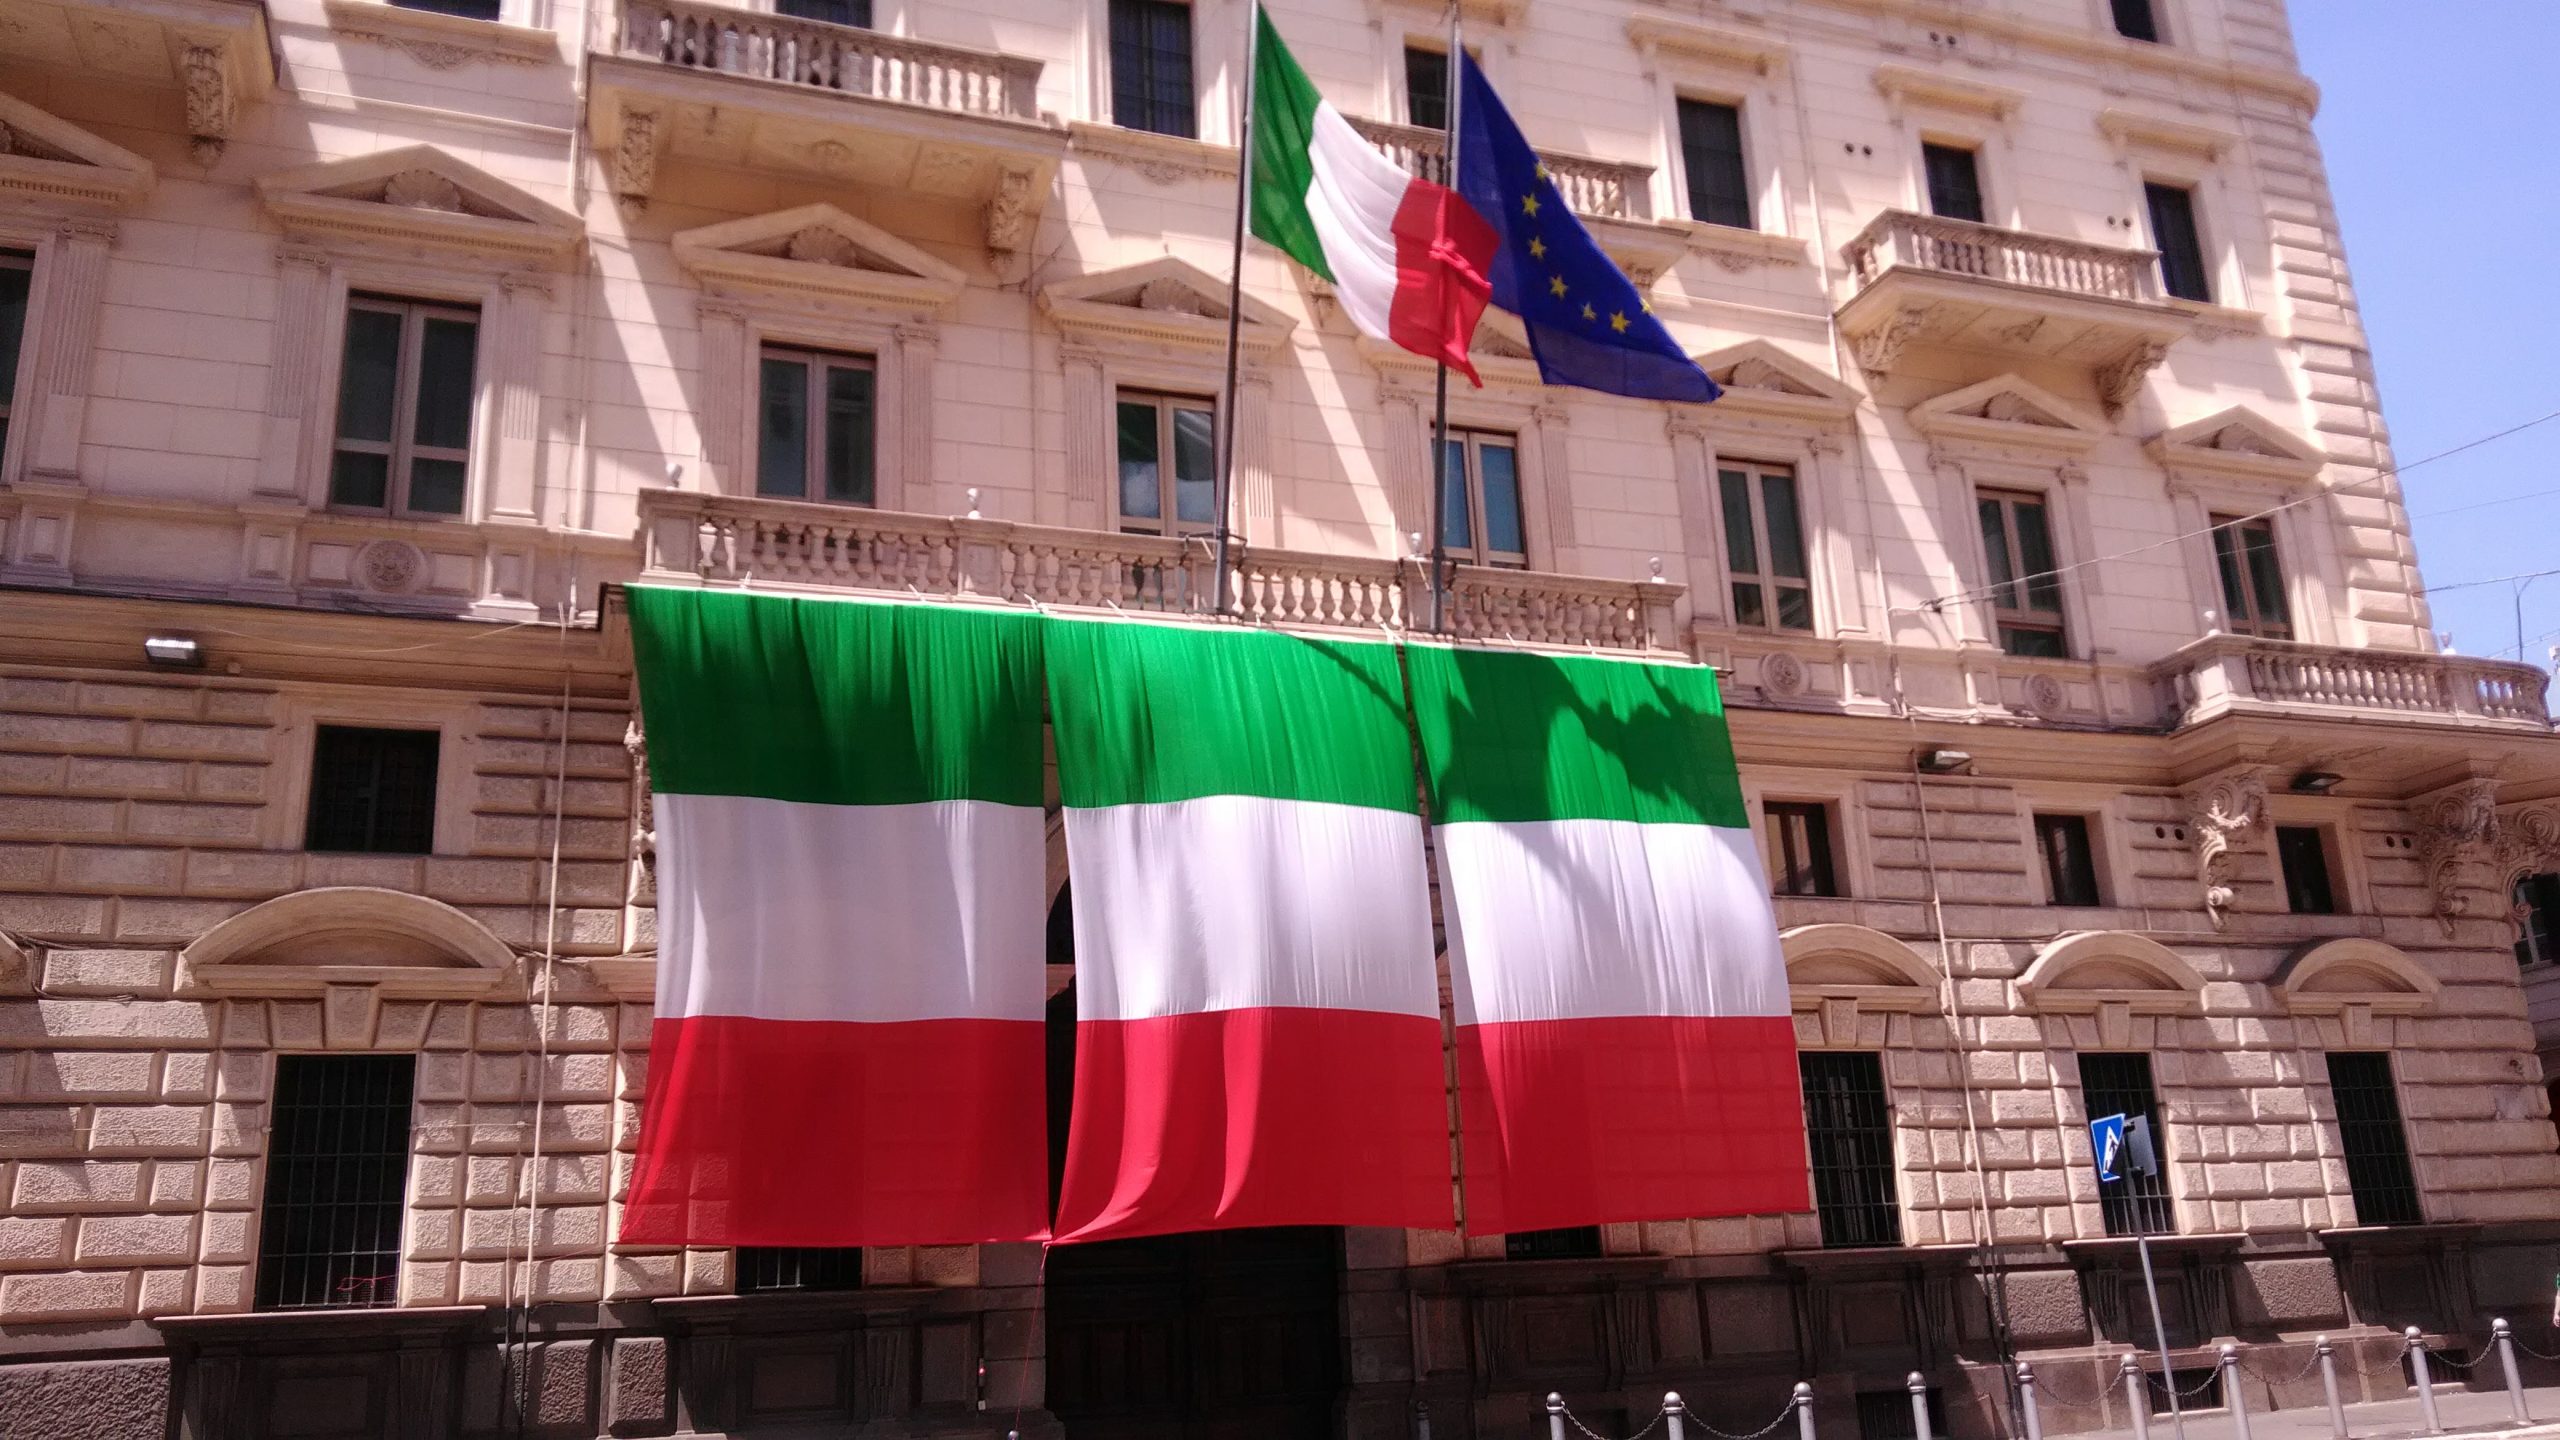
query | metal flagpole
[1456, 86]
[1223, 492]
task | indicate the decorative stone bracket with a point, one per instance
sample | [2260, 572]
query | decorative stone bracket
[2527, 843]
[2457, 827]
[2221, 810]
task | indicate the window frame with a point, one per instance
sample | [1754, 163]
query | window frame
[14, 258]
[1414, 47]
[2232, 569]
[2371, 1176]
[2011, 605]
[1821, 859]
[402, 450]
[1471, 440]
[2130, 1205]
[2528, 909]
[869, 21]
[2115, 15]
[266, 1253]
[312, 788]
[2044, 823]
[1755, 475]
[2325, 846]
[821, 363]
[753, 1262]
[1167, 402]
[1973, 151]
[1112, 77]
[1874, 1218]
[2153, 186]
[1681, 104]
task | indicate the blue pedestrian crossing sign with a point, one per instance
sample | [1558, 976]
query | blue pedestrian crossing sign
[2106, 1141]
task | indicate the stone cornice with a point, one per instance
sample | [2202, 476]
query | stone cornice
[2094, 45]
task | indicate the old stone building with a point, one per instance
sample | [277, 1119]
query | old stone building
[2085, 695]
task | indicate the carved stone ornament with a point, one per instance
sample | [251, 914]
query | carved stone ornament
[1880, 349]
[2456, 826]
[818, 245]
[635, 159]
[2528, 843]
[2045, 696]
[14, 141]
[423, 190]
[391, 566]
[2221, 811]
[1009, 210]
[211, 103]
[644, 829]
[2120, 380]
[1782, 675]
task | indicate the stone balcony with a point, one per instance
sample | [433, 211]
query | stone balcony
[1931, 280]
[2234, 674]
[689, 537]
[1613, 197]
[718, 85]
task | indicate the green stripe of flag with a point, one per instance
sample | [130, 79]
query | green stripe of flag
[837, 702]
[1152, 713]
[1284, 122]
[1512, 736]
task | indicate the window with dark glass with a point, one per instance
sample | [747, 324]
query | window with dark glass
[1168, 464]
[1151, 67]
[1764, 546]
[765, 1269]
[17, 274]
[468, 9]
[1426, 88]
[2537, 903]
[2026, 589]
[2244, 554]
[404, 407]
[1849, 1135]
[1711, 153]
[2181, 245]
[2376, 1144]
[1799, 846]
[2070, 859]
[1480, 500]
[817, 433]
[1572, 1242]
[1955, 181]
[372, 791]
[2302, 853]
[836, 12]
[2135, 20]
[337, 1181]
[2119, 1083]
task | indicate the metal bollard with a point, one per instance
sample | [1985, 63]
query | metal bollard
[1555, 1416]
[1673, 1414]
[1421, 1421]
[2329, 1386]
[2137, 1400]
[2231, 1395]
[2505, 1336]
[2426, 1382]
[1919, 1389]
[1804, 1411]
[2027, 1401]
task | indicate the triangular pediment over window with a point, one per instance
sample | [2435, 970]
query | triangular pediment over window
[2238, 443]
[2009, 410]
[1758, 375]
[44, 157]
[1166, 300]
[419, 195]
[822, 250]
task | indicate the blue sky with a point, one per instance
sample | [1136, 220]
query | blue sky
[2435, 123]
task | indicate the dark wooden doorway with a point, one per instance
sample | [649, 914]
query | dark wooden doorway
[1218, 1336]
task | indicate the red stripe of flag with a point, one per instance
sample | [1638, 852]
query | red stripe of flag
[1444, 256]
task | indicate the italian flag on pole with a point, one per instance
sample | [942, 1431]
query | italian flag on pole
[848, 1043]
[1623, 1041]
[1408, 259]
[1257, 1022]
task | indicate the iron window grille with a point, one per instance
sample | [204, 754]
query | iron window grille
[2119, 1083]
[2302, 853]
[372, 791]
[1151, 83]
[1480, 504]
[406, 386]
[337, 1178]
[2026, 587]
[2183, 272]
[1955, 182]
[1886, 1414]
[2135, 20]
[2070, 859]
[17, 278]
[2377, 1144]
[2537, 903]
[1764, 547]
[1849, 1135]
[1711, 153]
[1426, 88]
[2244, 555]
[817, 437]
[768, 1269]
[1799, 842]
[1571, 1242]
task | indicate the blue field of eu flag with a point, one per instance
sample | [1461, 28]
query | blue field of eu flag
[1587, 323]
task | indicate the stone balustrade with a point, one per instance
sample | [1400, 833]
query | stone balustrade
[824, 56]
[784, 544]
[1610, 189]
[2223, 673]
[1988, 252]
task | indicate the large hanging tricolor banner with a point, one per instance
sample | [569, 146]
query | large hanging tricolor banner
[848, 1047]
[1624, 1046]
[1257, 1024]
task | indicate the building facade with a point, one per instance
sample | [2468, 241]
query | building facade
[2046, 534]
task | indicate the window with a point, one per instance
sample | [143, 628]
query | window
[1151, 66]
[2244, 552]
[1799, 844]
[2302, 852]
[1573, 1242]
[337, 1175]
[1849, 1133]
[807, 1267]
[2537, 903]
[17, 273]
[404, 408]
[1764, 547]
[468, 9]
[2377, 1147]
[2134, 20]
[1153, 428]
[1426, 88]
[1955, 182]
[372, 791]
[815, 441]
[2173, 231]
[2120, 1084]
[1711, 151]
[2070, 862]
[838, 12]
[1480, 504]
[2026, 591]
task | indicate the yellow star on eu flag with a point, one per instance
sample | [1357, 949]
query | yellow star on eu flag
[1529, 205]
[1647, 302]
[1588, 313]
[1543, 172]
[1537, 248]
[1618, 321]
[1555, 283]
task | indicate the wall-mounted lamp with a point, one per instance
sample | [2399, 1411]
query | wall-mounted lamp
[1938, 761]
[178, 652]
[2316, 782]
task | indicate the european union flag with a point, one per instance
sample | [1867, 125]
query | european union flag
[1587, 323]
